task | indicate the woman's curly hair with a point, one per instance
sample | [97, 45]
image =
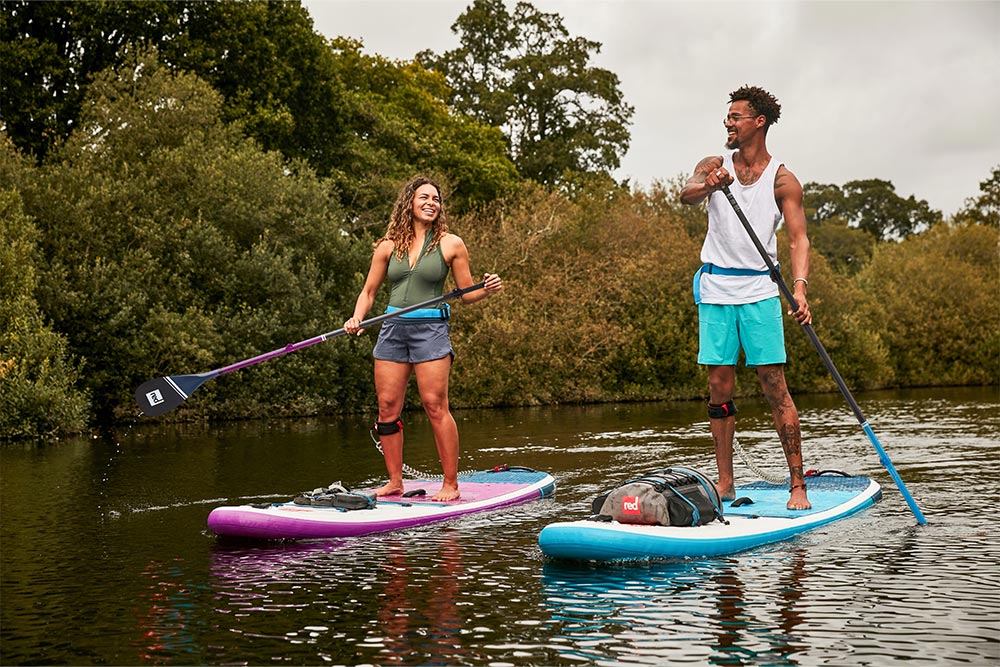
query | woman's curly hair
[763, 102]
[400, 230]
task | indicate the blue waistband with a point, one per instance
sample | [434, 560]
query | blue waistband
[724, 271]
[442, 312]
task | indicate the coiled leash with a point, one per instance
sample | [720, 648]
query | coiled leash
[386, 428]
[750, 464]
[724, 411]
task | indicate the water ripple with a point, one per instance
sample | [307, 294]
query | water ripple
[153, 586]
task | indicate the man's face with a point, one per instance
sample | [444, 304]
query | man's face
[739, 122]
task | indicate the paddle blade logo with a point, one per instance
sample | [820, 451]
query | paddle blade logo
[157, 397]
[630, 506]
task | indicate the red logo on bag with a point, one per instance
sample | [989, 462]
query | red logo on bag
[630, 505]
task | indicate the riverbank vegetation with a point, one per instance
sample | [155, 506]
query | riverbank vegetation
[173, 210]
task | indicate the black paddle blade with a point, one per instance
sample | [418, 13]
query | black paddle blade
[160, 396]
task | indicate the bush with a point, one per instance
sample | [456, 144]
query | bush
[171, 245]
[938, 298]
[37, 375]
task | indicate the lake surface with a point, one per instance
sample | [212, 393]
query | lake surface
[106, 558]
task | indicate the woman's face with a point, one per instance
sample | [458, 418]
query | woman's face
[426, 204]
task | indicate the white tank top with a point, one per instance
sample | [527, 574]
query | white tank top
[728, 245]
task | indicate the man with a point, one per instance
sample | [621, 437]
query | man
[738, 303]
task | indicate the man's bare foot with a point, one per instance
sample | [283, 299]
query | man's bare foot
[447, 493]
[798, 501]
[389, 489]
[726, 492]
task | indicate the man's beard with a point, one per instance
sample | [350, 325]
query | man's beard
[734, 144]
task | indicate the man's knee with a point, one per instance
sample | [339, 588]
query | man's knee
[772, 383]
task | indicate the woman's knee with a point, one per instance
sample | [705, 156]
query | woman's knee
[389, 408]
[436, 408]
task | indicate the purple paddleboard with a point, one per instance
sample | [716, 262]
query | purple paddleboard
[481, 491]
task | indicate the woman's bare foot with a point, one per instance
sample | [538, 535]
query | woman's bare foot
[389, 489]
[798, 501]
[447, 493]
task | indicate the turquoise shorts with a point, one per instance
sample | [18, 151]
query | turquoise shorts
[757, 328]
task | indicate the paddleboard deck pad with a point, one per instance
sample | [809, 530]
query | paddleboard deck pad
[481, 491]
[750, 525]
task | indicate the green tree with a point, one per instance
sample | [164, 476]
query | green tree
[38, 396]
[367, 122]
[823, 202]
[846, 249]
[936, 294]
[985, 208]
[522, 72]
[872, 206]
[402, 125]
[274, 71]
[50, 50]
[263, 56]
[172, 244]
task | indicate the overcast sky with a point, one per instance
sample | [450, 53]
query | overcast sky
[903, 91]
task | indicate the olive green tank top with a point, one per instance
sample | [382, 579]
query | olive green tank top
[423, 282]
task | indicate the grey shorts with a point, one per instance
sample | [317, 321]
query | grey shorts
[413, 342]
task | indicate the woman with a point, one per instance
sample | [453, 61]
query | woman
[416, 254]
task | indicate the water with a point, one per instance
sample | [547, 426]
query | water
[106, 558]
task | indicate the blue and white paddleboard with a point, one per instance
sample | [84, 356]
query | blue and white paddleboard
[764, 521]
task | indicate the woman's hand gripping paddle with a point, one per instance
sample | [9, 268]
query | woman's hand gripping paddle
[161, 395]
[776, 277]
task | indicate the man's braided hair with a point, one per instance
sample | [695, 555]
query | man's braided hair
[763, 102]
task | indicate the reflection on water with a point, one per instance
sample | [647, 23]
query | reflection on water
[106, 558]
[350, 600]
[681, 611]
[166, 615]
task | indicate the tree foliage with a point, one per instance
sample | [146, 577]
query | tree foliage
[170, 242]
[846, 249]
[402, 125]
[870, 205]
[590, 310]
[38, 376]
[522, 72]
[364, 121]
[50, 50]
[983, 209]
[264, 57]
[942, 328]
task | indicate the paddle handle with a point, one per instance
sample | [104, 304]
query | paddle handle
[293, 347]
[787, 293]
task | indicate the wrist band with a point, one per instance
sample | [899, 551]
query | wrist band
[800, 280]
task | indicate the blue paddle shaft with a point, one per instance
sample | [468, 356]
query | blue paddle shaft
[783, 288]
